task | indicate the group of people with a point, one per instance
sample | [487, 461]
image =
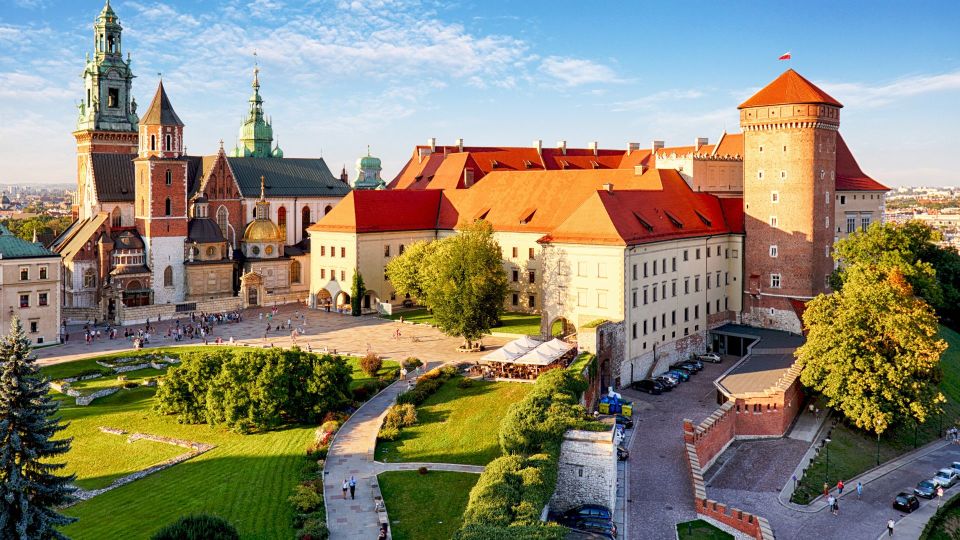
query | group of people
[833, 503]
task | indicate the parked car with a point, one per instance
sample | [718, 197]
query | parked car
[622, 453]
[624, 421]
[674, 381]
[682, 375]
[687, 370]
[689, 366]
[926, 489]
[649, 386]
[696, 363]
[905, 502]
[946, 477]
[603, 527]
[955, 466]
[668, 383]
[587, 511]
[710, 357]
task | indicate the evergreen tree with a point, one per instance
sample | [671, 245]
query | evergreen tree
[357, 290]
[30, 489]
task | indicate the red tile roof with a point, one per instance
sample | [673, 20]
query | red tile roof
[730, 144]
[849, 175]
[365, 211]
[789, 87]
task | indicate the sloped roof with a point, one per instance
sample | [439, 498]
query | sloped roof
[14, 247]
[789, 87]
[80, 233]
[730, 144]
[113, 176]
[160, 111]
[365, 211]
[286, 177]
[849, 175]
[204, 230]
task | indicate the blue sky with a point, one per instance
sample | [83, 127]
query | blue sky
[338, 75]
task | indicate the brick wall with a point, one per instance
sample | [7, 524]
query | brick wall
[769, 416]
[713, 435]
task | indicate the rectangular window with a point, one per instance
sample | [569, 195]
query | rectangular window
[530, 254]
[343, 275]
[42, 299]
[516, 276]
[644, 296]
[673, 288]
[601, 270]
[673, 317]
[582, 297]
[686, 285]
[516, 299]
[686, 255]
[773, 221]
[532, 274]
[602, 299]
[24, 273]
[774, 197]
[774, 281]
[696, 311]
[514, 252]
[333, 274]
[663, 320]
[24, 300]
[864, 223]
[645, 272]
[851, 223]
[654, 294]
[43, 272]
[843, 199]
[633, 295]
[708, 308]
[696, 283]
[634, 271]
[654, 324]
[113, 98]
[644, 327]
[686, 314]
[698, 254]
[654, 267]
[401, 249]
[674, 266]
[343, 252]
[663, 288]
[34, 328]
[333, 251]
[323, 273]
[386, 250]
[531, 301]
[634, 330]
[773, 251]
[582, 269]
[323, 251]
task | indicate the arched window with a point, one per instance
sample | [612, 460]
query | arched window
[115, 219]
[254, 215]
[169, 141]
[153, 142]
[222, 219]
[282, 220]
[89, 279]
[295, 272]
[327, 209]
[304, 219]
[166, 206]
[168, 276]
[169, 175]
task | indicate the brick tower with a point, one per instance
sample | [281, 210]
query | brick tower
[107, 114]
[789, 175]
[160, 205]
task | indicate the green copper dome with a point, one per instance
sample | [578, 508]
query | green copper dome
[256, 132]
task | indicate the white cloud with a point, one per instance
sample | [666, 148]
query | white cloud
[649, 101]
[864, 95]
[25, 87]
[577, 71]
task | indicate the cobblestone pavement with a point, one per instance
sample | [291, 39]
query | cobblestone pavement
[737, 467]
[341, 332]
[660, 494]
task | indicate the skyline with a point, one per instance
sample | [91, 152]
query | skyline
[338, 76]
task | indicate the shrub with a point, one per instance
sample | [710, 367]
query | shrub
[329, 426]
[422, 470]
[317, 450]
[130, 385]
[360, 393]
[411, 363]
[310, 470]
[371, 364]
[401, 416]
[389, 433]
[198, 527]
[314, 528]
[465, 383]
[305, 499]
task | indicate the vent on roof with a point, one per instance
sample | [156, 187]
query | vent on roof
[594, 164]
[563, 164]
[482, 214]
[528, 164]
[494, 163]
[527, 215]
[704, 219]
[562, 146]
[646, 224]
[673, 219]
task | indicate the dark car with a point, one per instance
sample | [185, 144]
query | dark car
[681, 374]
[649, 386]
[622, 453]
[585, 511]
[603, 527]
[905, 502]
[667, 383]
[693, 364]
[926, 489]
[624, 421]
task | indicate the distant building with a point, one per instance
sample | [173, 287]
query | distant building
[30, 279]
[368, 173]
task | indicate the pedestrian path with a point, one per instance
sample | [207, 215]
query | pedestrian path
[412, 466]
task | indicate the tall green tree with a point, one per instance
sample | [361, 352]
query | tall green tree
[30, 488]
[460, 279]
[357, 290]
[404, 270]
[873, 349]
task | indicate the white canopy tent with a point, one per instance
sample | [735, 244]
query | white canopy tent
[513, 350]
[545, 353]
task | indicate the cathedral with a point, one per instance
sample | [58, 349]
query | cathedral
[158, 231]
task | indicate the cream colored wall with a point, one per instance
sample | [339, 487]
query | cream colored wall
[47, 318]
[582, 283]
[860, 204]
[373, 259]
[523, 264]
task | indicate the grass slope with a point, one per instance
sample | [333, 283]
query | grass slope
[246, 479]
[456, 425]
[426, 507]
[699, 529]
[853, 451]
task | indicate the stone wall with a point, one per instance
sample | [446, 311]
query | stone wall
[80, 314]
[156, 312]
[587, 470]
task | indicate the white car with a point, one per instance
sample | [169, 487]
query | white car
[955, 466]
[946, 477]
[710, 357]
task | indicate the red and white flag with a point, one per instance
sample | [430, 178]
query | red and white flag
[784, 56]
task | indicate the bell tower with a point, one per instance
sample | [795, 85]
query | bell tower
[160, 203]
[107, 113]
[789, 168]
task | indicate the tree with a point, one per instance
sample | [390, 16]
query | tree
[460, 279]
[404, 271]
[30, 489]
[357, 290]
[872, 349]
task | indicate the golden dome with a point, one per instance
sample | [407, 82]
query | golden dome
[262, 230]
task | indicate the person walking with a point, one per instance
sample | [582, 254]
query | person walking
[939, 495]
[826, 489]
[353, 487]
[836, 507]
[831, 500]
[840, 488]
[890, 527]
[859, 491]
[346, 486]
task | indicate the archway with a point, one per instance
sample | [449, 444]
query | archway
[304, 221]
[370, 300]
[324, 299]
[343, 299]
[561, 328]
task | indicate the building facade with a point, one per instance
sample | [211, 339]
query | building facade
[30, 277]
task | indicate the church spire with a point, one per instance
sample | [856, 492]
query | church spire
[256, 132]
[107, 104]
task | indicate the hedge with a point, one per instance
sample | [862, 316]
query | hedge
[427, 385]
[198, 527]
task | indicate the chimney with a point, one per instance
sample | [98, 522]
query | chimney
[432, 142]
[657, 145]
[638, 170]
[593, 146]
[538, 144]
[608, 187]
[459, 145]
[562, 146]
[701, 141]
[632, 147]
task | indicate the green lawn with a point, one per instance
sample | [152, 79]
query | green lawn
[853, 451]
[246, 479]
[456, 425]
[426, 507]
[699, 529]
[511, 322]
[389, 369]
[108, 381]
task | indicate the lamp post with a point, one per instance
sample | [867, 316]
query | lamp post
[826, 473]
[878, 449]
